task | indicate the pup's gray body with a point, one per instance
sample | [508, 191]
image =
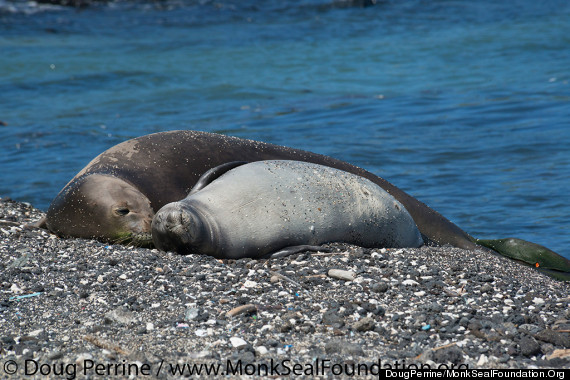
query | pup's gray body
[263, 207]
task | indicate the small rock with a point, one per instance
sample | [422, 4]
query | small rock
[517, 319]
[352, 349]
[482, 360]
[333, 347]
[120, 315]
[332, 317]
[55, 355]
[249, 284]
[191, 314]
[448, 355]
[20, 262]
[272, 343]
[532, 329]
[436, 307]
[556, 338]
[35, 333]
[529, 346]
[82, 358]
[15, 289]
[538, 301]
[380, 287]
[237, 342]
[245, 357]
[559, 354]
[342, 274]
[379, 311]
[365, 324]
[513, 350]
[244, 309]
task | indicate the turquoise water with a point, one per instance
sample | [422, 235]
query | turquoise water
[464, 104]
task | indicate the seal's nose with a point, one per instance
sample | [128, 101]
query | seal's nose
[178, 223]
[176, 228]
[166, 225]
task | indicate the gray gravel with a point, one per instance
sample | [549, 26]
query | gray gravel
[66, 304]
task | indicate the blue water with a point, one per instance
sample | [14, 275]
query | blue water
[464, 104]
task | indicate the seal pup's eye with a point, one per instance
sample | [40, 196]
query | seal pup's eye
[122, 211]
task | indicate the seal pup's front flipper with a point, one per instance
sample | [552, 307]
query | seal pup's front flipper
[530, 253]
[213, 174]
[296, 249]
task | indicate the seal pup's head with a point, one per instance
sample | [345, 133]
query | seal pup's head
[102, 207]
[180, 227]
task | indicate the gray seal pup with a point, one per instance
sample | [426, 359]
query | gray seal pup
[277, 207]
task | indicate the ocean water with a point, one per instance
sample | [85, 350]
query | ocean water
[463, 104]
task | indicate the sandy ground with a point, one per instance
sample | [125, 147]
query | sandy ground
[81, 308]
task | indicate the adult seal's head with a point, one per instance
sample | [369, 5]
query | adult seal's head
[98, 206]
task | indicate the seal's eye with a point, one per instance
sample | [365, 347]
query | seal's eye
[122, 211]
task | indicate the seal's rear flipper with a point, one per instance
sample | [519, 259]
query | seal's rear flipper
[530, 253]
[42, 223]
[296, 249]
[214, 173]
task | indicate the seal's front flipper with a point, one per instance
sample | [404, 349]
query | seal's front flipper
[42, 223]
[214, 173]
[296, 249]
[530, 253]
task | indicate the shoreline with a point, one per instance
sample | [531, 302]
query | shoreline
[76, 301]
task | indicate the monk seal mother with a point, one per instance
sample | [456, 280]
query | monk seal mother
[113, 197]
[278, 207]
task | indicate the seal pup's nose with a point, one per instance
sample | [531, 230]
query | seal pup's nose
[177, 228]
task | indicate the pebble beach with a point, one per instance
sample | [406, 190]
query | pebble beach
[82, 308]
